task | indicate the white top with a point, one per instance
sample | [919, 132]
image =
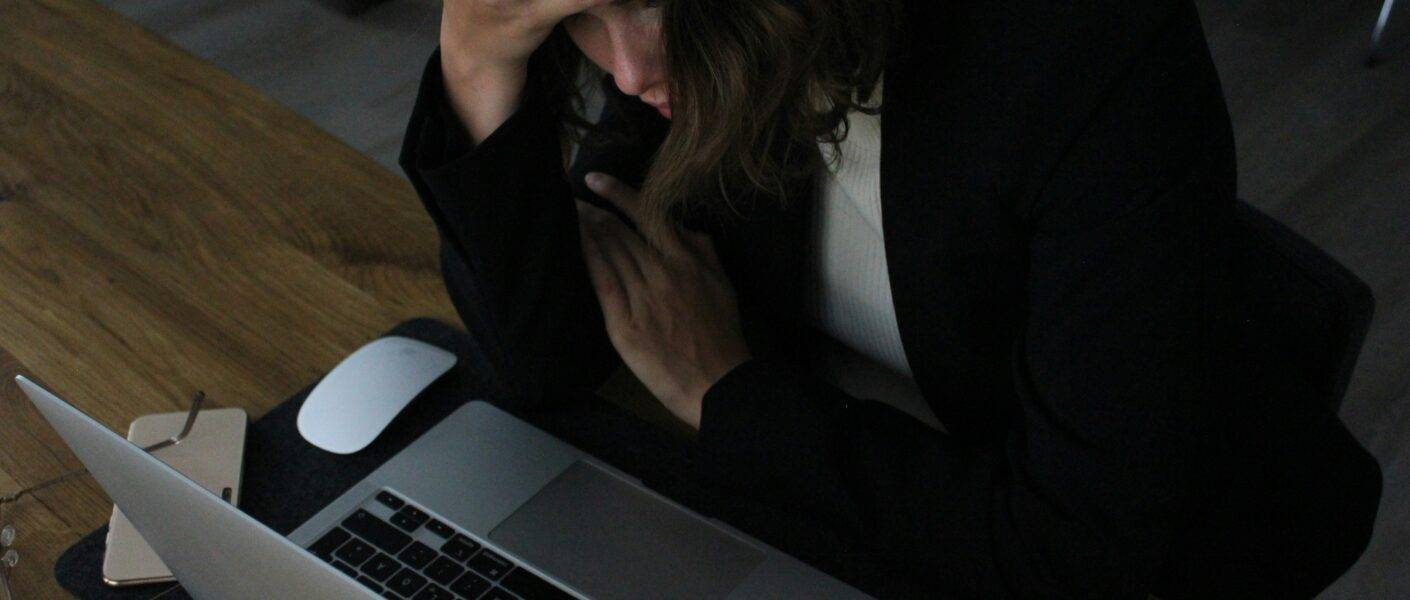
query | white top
[849, 288]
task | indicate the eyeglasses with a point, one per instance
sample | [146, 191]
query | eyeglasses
[8, 560]
[9, 557]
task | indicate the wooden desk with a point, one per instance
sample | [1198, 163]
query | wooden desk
[164, 229]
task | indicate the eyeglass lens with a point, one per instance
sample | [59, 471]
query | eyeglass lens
[7, 538]
[8, 559]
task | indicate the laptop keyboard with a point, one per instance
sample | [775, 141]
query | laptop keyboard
[399, 551]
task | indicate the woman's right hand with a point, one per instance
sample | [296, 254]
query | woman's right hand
[485, 49]
[501, 33]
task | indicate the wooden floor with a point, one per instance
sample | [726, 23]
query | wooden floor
[1324, 145]
[354, 76]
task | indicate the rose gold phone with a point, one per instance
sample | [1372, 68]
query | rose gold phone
[212, 455]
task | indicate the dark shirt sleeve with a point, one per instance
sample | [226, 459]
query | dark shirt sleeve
[1114, 373]
[510, 253]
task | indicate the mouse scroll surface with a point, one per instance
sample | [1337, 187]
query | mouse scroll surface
[351, 406]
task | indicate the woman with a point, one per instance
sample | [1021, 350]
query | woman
[1026, 247]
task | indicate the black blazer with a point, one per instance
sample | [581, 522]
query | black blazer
[1058, 186]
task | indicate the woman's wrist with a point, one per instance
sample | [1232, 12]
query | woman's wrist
[459, 63]
[696, 402]
[483, 95]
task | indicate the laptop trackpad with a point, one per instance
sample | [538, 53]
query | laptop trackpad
[611, 539]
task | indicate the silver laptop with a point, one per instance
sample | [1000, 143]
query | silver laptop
[482, 506]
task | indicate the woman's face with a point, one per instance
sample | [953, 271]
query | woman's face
[624, 39]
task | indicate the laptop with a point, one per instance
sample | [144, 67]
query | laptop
[483, 506]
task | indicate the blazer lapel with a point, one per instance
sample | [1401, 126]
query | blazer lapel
[765, 252]
[953, 258]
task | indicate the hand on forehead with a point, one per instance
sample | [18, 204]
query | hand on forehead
[563, 8]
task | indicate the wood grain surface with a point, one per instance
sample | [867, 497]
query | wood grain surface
[164, 229]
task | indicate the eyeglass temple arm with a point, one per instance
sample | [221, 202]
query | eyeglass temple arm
[185, 429]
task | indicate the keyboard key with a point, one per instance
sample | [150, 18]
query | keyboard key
[444, 570]
[470, 585]
[498, 594]
[324, 547]
[381, 567]
[490, 565]
[390, 500]
[439, 528]
[367, 581]
[370, 528]
[417, 555]
[406, 582]
[389, 594]
[460, 548]
[531, 587]
[432, 592]
[409, 518]
[355, 552]
[344, 567]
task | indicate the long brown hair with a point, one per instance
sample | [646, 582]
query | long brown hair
[755, 86]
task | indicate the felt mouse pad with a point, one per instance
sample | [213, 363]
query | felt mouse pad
[287, 480]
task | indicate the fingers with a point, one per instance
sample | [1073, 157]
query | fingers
[610, 292]
[619, 252]
[703, 245]
[563, 8]
[624, 196]
[675, 244]
[629, 200]
[622, 248]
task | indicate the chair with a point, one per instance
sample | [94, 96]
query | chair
[1286, 521]
[1378, 33]
[1350, 299]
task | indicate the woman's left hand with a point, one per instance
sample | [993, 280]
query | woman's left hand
[670, 310]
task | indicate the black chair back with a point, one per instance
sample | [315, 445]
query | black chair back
[1293, 509]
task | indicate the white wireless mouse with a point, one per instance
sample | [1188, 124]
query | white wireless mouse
[360, 396]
